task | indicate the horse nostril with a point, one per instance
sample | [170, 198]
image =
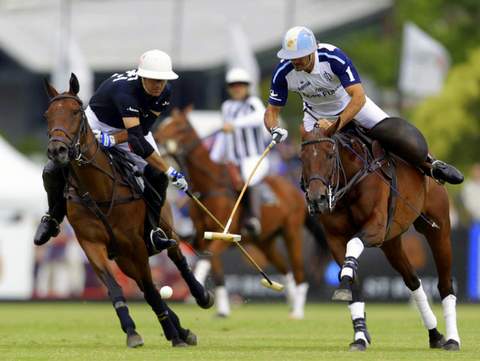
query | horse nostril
[62, 149]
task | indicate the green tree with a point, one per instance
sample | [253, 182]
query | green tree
[451, 119]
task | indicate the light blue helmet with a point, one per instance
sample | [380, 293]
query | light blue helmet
[297, 42]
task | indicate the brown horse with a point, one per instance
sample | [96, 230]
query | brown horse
[108, 219]
[349, 187]
[285, 217]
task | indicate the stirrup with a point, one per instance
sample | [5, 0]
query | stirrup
[160, 240]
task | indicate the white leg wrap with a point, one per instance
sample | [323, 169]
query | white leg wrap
[357, 310]
[421, 301]
[298, 311]
[290, 286]
[450, 314]
[201, 270]
[221, 300]
[354, 249]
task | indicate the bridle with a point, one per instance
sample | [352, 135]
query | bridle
[73, 143]
[332, 181]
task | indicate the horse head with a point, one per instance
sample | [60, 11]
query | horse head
[176, 133]
[67, 124]
[320, 159]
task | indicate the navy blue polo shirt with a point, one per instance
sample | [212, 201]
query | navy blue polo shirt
[122, 95]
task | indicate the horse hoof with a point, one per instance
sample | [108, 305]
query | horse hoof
[221, 315]
[134, 340]
[178, 342]
[190, 339]
[438, 343]
[343, 294]
[208, 301]
[358, 345]
[451, 345]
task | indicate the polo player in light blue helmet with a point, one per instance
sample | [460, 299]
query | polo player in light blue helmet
[333, 96]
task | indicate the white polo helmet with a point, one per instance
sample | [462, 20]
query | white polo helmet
[156, 64]
[238, 75]
[297, 42]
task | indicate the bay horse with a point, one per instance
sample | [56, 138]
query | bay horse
[349, 189]
[210, 180]
[108, 219]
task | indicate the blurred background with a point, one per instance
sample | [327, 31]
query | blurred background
[417, 58]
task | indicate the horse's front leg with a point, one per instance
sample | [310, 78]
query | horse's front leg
[361, 337]
[97, 255]
[371, 234]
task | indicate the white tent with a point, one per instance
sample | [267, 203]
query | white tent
[22, 200]
[112, 33]
[21, 187]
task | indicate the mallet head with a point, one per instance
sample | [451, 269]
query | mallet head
[273, 286]
[228, 237]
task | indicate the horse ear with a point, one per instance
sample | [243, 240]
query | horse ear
[332, 129]
[74, 85]
[51, 91]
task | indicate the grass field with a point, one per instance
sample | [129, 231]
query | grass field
[90, 331]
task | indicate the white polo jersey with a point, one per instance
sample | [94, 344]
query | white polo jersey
[246, 143]
[323, 89]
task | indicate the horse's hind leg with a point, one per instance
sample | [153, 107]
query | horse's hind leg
[221, 294]
[293, 233]
[203, 297]
[139, 270]
[398, 259]
[97, 255]
[440, 244]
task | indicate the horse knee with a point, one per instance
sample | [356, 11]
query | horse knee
[445, 289]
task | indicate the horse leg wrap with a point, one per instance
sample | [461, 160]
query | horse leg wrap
[360, 327]
[349, 268]
[121, 309]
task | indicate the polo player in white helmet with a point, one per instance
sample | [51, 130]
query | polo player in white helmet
[332, 92]
[121, 113]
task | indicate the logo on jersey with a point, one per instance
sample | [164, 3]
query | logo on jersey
[327, 76]
[274, 95]
[303, 85]
[130, 109]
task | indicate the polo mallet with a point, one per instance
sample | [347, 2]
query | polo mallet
[235, 238]
[266, 281]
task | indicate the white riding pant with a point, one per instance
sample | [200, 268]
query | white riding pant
[107, 129]
[369, 116]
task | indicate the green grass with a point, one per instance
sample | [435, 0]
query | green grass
[90, 331]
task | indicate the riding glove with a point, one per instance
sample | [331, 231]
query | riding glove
[278, 134]
[177, 178]
[104, 139]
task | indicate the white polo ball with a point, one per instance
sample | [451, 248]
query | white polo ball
[166, 292]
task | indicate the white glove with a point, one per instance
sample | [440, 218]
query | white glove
[104, 139]
[278, 134]
[177, 178]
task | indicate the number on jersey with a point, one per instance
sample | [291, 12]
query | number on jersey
[128, 75]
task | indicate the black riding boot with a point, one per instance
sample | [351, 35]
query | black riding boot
[405, 140]
[54, 184]
[443, 172]
[155, 194]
